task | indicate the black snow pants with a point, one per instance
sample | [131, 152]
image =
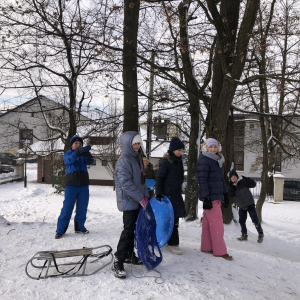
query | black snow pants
[126, 243]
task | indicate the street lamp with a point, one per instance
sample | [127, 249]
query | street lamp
[26, 143]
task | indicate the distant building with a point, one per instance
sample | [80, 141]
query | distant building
[28, 122]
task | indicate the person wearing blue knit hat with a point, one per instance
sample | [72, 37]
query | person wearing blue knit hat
[77, 187]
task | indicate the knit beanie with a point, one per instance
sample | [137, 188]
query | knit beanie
[176, 144]
[233, 173]
[76, 138]
[137, 139]
[210, 142]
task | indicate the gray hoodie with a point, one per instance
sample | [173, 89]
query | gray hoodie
[129, 189]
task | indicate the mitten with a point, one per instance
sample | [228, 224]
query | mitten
[225, 203]
[84, 149]
[207, 204]
[158, 197]
[144, 202]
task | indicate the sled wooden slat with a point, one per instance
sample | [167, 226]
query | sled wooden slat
[66, 253]
[53, 260]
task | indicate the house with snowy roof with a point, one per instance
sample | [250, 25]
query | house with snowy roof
[28, 122]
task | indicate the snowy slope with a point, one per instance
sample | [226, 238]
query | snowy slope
[259, 271]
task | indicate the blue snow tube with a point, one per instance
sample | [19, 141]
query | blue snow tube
[145, 238]
[150, 184]
[164, 216]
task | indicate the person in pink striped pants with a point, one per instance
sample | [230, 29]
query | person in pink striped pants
[213, 193]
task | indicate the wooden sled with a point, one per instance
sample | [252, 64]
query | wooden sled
[88, 264]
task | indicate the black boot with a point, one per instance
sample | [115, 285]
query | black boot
[58, 236]
[82, 231]
[133, 259]
[118, 268]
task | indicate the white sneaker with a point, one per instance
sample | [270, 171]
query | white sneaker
[174, 249]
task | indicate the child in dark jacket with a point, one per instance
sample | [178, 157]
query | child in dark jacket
[213, 193]
[245, 202]
[169, 179]
[77, 187]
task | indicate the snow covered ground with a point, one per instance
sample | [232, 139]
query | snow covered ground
[259, 271]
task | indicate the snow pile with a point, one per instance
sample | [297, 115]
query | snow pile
[259, 271]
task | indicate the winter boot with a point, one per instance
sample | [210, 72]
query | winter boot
[133, 259]
[225, 256]
[58, 236]
[82, 232]
[118, 268]
[260, 238]
[243, 237]
[174, 249]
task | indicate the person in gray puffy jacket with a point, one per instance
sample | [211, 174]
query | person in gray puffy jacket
[131, 193]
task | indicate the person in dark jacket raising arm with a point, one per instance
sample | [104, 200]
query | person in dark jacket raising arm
[245, 202]
[169, 179]
[131, 193]
[77, 187]
[213, 193]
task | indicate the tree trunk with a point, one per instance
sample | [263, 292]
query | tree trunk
[191, 194]
[131, 108]
[229, 61]
[228, 149]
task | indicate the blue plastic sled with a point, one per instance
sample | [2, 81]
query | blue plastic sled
[150, 184]
[145, 239]
[164, 216]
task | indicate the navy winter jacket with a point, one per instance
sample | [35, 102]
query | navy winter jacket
[241, 192]
[169, 179]
[210, 178]
[76, 169]
[128, 175]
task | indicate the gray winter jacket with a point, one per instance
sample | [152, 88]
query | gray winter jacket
[128, 172]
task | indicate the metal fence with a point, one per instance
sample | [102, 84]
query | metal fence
[291, 189]
[256, 191]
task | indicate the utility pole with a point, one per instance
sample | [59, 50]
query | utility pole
[150, 105]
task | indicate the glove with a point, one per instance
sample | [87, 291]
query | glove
[225, 203]
[144, 202]
[207, 204]
[81, 150]
[158, 197]
[84, 149]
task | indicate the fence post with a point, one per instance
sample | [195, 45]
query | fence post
[278, 188]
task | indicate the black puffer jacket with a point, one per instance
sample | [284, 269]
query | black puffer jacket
[243, 196]
[169, 179]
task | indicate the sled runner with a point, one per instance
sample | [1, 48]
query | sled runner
[46, 262]
[164, 216]
[145, 239]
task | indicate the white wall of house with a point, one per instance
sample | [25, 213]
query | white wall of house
[99, 172]
[29, 116]
[252, 152]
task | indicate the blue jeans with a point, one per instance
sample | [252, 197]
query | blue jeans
[254, 218]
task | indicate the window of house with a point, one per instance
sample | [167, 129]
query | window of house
[239, 160]
[239, 144]
[32, 114]
[25, 134]
[104, 163]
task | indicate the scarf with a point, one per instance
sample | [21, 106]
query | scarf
[219, 158]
